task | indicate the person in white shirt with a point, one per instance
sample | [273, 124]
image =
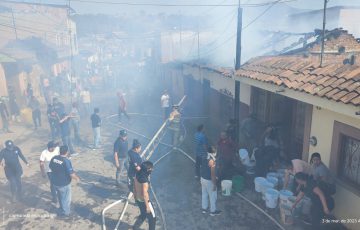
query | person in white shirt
[86, 99]
[45, 158]
[165, 104]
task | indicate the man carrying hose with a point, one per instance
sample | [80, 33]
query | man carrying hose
[141, 195]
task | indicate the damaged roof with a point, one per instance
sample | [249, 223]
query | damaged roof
[338, 79]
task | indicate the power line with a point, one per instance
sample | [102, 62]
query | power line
[245, 27]
[177, 5]
[222, 32]
[25, 20]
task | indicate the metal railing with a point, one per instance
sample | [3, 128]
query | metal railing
[107, 208]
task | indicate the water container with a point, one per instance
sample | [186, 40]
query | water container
[286, 214]
[258, 181]
[284, 196]
[271, 198]
[238, 183]
[272, 174]
[226, 186]
[273, 180]
[244, 156]
[265, 187]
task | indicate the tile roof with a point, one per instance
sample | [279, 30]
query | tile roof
[334, 81]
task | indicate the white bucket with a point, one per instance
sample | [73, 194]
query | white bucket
[265, 187]
[271, 198]
[273, 180]
[258, 181]
[226, 186]
[285, 195]
[244, 156]
[272, 174]
[286, 214]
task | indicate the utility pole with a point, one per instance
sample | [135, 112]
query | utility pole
[323, 34]
[237, 82]
[13, 21]
[181, 51]
[71, 54]
[238, 39]
[198, 42]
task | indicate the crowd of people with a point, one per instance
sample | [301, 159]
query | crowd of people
[214, 162]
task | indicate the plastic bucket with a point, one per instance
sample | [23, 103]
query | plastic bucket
[244, 156]
[258, 181]
[272, 174]
[273, 180]
[286, 214]
[271, 198]
[226, 186]
[284, 196]
[267, 185]
[238, 183]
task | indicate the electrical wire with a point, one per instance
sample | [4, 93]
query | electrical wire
[244, 28]
[25, 20]
[222, 32]
[178, 5]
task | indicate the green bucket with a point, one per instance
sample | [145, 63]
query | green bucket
[238, 183]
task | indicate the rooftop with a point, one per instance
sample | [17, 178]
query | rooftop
[338, 79]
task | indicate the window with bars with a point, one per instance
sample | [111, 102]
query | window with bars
[349, 167]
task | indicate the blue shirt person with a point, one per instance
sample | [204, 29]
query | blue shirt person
[201, 145]
[62, 175]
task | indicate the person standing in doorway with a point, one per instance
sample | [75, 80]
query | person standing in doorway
[135, 161]
[142, 198]
[62, 175]
[4, 115]
[66, 132]
[120, 150]
[45, 158]
[122, 106]
[96, 124]
[13, 169]
[34, 104]
[201, 146]
[208, 183]
[165, 104]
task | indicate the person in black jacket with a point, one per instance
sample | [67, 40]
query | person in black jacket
[13, 170]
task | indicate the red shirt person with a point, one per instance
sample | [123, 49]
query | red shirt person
[226, 154]
[122, 106]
